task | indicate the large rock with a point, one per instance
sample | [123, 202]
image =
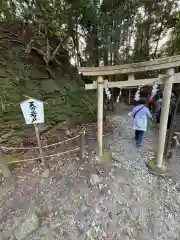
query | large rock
[95, 179]
[45, 174]
[30, 224]
[4, 166]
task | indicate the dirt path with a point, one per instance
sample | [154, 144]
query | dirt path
[152, 203]
[81, 201]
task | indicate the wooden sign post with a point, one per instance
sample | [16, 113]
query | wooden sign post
[40, 145]
[33, 111]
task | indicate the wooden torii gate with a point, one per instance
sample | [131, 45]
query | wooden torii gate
[168, 63]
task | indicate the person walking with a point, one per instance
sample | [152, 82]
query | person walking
[157, 108]
[139, 115]
[151, 102]
[171, 109]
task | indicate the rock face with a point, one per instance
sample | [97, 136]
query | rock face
[30, 224]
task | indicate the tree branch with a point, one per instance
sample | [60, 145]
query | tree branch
[55, 51]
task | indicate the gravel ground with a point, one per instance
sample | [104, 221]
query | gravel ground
[82, 200]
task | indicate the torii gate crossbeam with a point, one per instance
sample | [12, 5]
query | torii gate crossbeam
[168, 64]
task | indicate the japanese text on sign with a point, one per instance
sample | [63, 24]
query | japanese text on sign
[33, 113]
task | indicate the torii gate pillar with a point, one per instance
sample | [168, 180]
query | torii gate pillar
[164, 117]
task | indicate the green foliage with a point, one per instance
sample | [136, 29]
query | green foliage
[124, 30]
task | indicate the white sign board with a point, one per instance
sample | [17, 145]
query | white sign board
[33, 111]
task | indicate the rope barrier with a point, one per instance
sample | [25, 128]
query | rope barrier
[20, 148]
[46, 146]
[58, 143]
[57, 154]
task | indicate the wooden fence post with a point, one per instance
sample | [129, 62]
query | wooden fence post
[164, 117]
[4, 166]
[82, 145]
[100, 89]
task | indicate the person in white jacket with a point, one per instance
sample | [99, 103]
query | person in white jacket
[140, 114]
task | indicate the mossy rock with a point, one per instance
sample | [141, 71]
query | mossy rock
[59, 118]
[151, 164]
[37, 74]
[49, 86]
[106, 157]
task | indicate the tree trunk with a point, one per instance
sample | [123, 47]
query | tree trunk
[105, 57]
[159, 37]
[96, 57]
[112, 100]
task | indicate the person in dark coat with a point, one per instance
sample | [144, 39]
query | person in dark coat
[158, 106]
[151, 102]
[171, 109]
